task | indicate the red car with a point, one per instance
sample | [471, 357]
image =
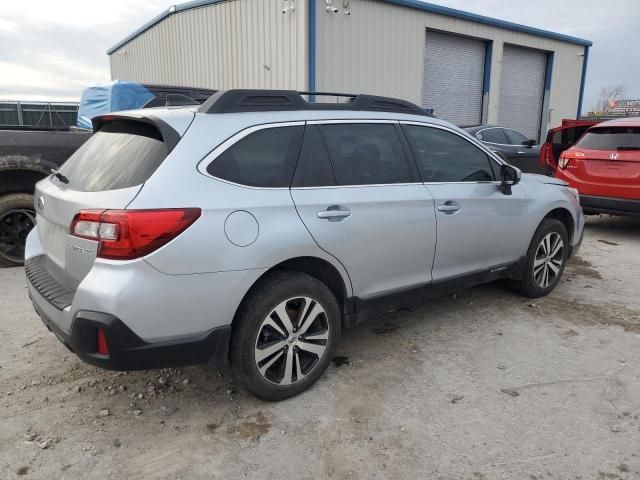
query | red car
[603, 164]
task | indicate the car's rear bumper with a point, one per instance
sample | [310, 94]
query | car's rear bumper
[127, 351]
[78, 330]
[614, 206]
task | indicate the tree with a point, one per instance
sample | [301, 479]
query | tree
[608, 99]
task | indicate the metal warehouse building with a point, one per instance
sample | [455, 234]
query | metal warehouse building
[468, 68]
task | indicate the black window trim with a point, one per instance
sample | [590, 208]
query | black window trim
[472, 140]
[229, 142]
[299, 161]
[226, 144]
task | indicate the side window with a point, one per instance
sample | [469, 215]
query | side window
[314, 167]
[265, 158]
[366, 153]
[446, 157]
[492, 135]
[515, 137]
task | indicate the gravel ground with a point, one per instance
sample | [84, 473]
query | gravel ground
[480, 385]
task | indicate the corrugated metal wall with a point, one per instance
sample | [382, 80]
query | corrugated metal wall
[234, 44]
[379, 49]
[453, 74]
[522, 91]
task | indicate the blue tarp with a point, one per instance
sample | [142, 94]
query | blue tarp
[111, 97]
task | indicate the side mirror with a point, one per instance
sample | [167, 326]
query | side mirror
[510, 176]
[530, 143]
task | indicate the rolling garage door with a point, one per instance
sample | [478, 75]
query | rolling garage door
[522, 89]
[453, 76]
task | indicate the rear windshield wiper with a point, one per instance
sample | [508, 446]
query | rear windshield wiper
[59, 176]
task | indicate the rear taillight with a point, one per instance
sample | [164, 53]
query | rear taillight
[128, 234]
[567, 156]
[563, 162]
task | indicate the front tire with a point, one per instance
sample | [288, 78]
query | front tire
[17, 218]
[284, 336]
[546, 259]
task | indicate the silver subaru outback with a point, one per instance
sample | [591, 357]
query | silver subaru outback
[249, 231]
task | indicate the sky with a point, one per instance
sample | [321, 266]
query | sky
[52, 50]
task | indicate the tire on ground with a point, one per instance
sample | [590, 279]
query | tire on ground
[527, 286]
[270, 291]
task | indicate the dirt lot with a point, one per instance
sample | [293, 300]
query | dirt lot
[482, 385]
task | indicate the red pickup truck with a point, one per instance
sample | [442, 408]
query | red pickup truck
[601, 160]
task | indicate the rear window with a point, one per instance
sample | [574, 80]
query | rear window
[265, 158]
[611, 138]
[120, 155]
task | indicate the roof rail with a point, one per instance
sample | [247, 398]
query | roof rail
[237, 101]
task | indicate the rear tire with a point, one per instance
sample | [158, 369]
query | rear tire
[546, 259]
[284, 335]
[17, 218]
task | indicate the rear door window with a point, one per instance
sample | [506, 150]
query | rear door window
[121, 154]
[611, 138]
[493, 135]
[443, 156]
[515, 137]
[366, 153]
[265, 158]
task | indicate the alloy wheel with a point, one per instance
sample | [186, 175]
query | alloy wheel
[548, 260]
[291, 340]
[15, 225]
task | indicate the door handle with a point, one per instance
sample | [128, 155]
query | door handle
[449, 207]
[334, 213]
[521, 153]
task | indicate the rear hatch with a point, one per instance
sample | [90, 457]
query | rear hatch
[560, 139]
[107, 172]
[606, 162]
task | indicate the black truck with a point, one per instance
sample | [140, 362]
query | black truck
[28, 154]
